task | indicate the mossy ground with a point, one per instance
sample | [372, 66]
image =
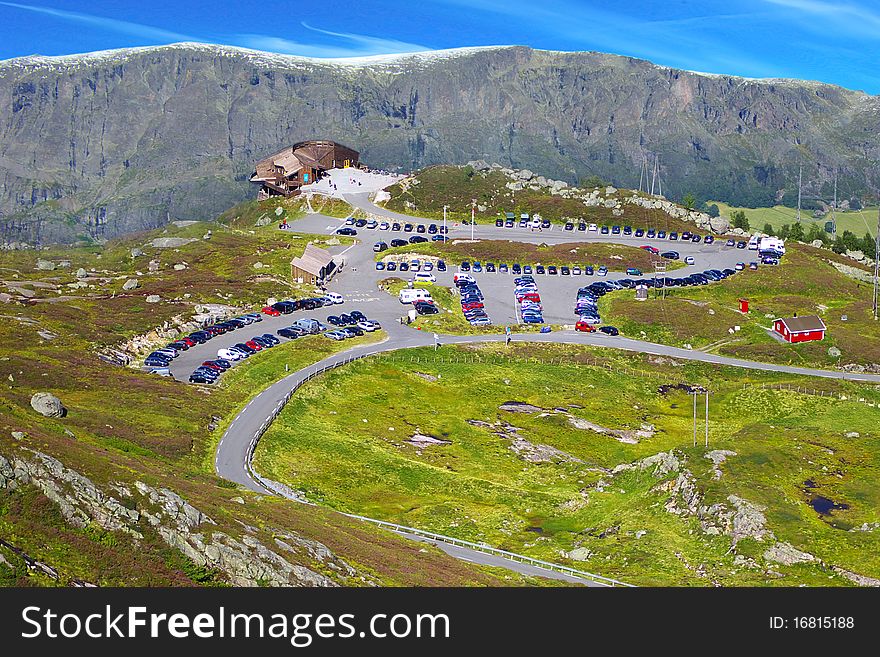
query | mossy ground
[343, 441]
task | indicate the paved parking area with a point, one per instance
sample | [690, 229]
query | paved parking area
[358, 280]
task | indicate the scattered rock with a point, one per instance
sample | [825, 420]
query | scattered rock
[153, 298]
[45, 265]
[861, 580]
[852, 434]
[136, 253]
[519, 407]
[817, 244]
[171, 242]
[422, 440]
[787, 554]
[579, 554]
[81, 273]
[426, 377]
[834, 352]
[718, 457]
[19, 435]
[258, 265]
[153, 265]
[47, 404]
[179, 266]
[131, 284]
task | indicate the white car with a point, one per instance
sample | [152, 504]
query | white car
[335, 297]
[689, 260]
[593, 227]
[536, 223]
[384, 226]
[230, 354]
[372, 223]
[424, 277]
[367, 325]
[415, 265]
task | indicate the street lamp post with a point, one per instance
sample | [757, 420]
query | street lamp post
[444, 219]
[473, 216]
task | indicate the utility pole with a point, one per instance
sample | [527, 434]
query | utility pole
[659, 180]
[800, 179]
[707, 418]
[473, 216]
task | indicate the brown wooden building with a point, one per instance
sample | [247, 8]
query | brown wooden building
[314, 266]
[283, 173]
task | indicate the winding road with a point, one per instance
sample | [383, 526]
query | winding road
[357, 282]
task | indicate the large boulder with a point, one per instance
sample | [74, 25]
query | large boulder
[130, 284]
[45, 265]
[171, 242]
[81, 273]
[153, 298]
[136, 253]
[47, 404]
[719, 224]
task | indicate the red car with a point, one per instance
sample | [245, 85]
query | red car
[213, 366]
[253, 345]
[584, 327]
[650, 249]
[269, 310]
[473, 305]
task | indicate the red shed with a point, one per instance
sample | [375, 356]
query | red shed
[800, 329]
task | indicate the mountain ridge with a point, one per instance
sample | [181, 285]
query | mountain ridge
[103, 144]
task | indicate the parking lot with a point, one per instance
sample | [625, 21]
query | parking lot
[359, 278]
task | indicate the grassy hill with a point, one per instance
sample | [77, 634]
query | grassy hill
[857, 222]
[563, 456]
[129, 433]
[458, 186]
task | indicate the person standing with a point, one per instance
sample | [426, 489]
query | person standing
[436, 341]
[507, 336]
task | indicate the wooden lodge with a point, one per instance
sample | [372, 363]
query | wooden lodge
[283, 173]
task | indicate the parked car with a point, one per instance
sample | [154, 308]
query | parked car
[689, 260]
[345, 230]
[584, 326]
[609, 330]
[416, 239]
[670, 255]
[633, 271]
[269, 310]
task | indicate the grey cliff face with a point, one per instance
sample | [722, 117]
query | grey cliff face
[106, 144]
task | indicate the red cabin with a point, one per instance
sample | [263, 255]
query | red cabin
[800, 329]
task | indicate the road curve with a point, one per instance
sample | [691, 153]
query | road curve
[236, 448]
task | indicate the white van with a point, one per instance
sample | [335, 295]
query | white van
[335, 296]
[408, 295]
[753, 242]
[424, 277]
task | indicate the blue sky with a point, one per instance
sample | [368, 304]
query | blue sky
[837, 42]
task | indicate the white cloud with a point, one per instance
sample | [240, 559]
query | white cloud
[110, 24]
[349, 45]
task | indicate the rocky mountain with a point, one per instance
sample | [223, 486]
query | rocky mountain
[98, 145]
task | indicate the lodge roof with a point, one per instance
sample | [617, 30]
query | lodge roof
[803, 324]
[313, 260]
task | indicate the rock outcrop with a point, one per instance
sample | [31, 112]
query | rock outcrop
[244, 559]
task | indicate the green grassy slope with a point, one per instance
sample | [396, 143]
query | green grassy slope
[477, 481]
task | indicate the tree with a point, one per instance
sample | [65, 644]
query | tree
[785, 231]
[768, 229]
[855, 203]
[816, 233]
[797, 232]
[713, 210]
[689, 201]
[592, 181]
[869, 246]
[838, 246]
[740, 220]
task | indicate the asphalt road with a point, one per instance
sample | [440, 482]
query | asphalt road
[357, 283]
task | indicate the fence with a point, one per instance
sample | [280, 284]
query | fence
[827, 394]
[288, 493]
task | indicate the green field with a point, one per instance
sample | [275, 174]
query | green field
[804, 282]
[616, 257]
[857, 222]
[547, 481]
